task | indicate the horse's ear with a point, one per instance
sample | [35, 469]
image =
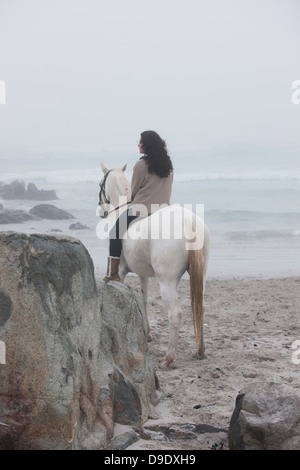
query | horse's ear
[104, 169]
[124, 167]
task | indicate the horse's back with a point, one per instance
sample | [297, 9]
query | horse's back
[159, 244]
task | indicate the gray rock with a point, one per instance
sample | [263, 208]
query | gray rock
[48, 211]
[66, 367]
[15, 216]
[184, 431]
[205, 436]
[266, 417]
[77, 226]
[122, 441]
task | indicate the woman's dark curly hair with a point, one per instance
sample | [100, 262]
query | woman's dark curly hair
[156, 154]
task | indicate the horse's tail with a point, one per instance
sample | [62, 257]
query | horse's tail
[197, 289]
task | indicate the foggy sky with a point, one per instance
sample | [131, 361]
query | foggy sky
[92, 74]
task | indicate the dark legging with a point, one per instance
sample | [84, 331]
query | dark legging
[117, 232]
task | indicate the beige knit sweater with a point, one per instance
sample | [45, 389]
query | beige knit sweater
[148, 189]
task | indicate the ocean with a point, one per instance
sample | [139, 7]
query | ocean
[251, 203]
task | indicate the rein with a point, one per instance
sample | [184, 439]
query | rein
[102, 195]
[122, 205]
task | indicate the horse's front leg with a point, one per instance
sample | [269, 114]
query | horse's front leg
[144, 291]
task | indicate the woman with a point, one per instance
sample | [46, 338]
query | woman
[151, 187]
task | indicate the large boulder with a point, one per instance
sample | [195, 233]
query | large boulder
[68, 375]
[266, 417]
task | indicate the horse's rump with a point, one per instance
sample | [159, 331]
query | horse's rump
[170, 223]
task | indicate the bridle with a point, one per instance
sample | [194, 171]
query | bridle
[103, 198]
[102, 193]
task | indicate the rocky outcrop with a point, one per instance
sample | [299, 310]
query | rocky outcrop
[126, 366]
[50, 212]
[18, 190]
[76, 354]
[42, 211]
[36, 194]
[266, 417]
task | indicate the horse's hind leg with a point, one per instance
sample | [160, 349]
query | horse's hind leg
[170, 298]
[144, 290]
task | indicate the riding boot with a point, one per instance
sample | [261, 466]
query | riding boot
[112, 269]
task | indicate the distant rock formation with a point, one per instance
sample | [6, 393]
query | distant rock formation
[76, 353]
[18, 190]
[48, 211]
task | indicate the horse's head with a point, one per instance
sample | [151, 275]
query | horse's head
[114, 190]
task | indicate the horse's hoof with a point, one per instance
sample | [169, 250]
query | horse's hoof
[164, 365]
[201, 356]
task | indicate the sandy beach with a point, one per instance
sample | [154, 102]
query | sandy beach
[250, 326]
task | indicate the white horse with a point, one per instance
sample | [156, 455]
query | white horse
[149, 249]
